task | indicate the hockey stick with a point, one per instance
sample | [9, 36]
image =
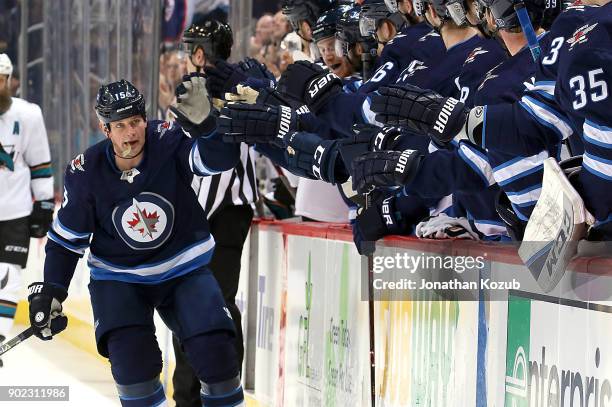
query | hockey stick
[368, 203]
[16, 340]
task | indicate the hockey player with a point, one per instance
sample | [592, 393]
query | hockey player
[401, 35]
[324, 38]
[531, 125]
[25, 176]
[130, 200]
[353, 46]
[302, 15]
[583, 87]
[226, 199]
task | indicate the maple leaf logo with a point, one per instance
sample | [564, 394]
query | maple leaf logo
[142, 221]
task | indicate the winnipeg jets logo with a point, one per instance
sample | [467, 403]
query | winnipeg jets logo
[430, 34]
[412, 68]
[144, 222]
[472, 56]
[580, 35]
[77, 163]
[163, 127]
[490, 75]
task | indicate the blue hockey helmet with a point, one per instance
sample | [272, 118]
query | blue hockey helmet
[297, 11]
[327, 24]
[119, 100]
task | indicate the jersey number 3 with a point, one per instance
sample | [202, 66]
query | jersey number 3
[597, 88]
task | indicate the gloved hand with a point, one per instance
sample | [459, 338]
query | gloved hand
[445, 227]
[246, 123]
[309, 83]
[380, 219]
[423, 111]
[41, 218]
[315, 156]
[256, 70]
[193, 103]
[384, 169]
[221, 78]
[46, 315]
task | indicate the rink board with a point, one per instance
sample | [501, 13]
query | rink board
[307, 328]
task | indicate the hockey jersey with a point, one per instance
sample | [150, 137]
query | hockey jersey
[25, 148]
[144, 225]
[536, 122]
[582, 89]
[480, 60]
[417, 41]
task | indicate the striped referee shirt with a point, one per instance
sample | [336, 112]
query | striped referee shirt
[232, 187]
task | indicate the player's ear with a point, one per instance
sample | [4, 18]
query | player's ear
[104, 128]
[305, 30]
[199, 58]
[386, 31]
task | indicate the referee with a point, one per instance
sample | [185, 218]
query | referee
[227, 200]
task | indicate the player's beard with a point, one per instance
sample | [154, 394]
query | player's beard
[5, 99]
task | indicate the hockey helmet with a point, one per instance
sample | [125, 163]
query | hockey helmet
[119, 100]
[373, 12]
[506, 17]
[327, 24]
[297, 11]
[214, 37]
[348, 33]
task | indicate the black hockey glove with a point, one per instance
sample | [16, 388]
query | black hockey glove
[256, 70]
[423, 111]
[379, 138]
[309, 83]
[46, 315]
[193, 104]
[221, 78]
[315, 156]
[380, 219]
[240, 122]
[41, 218]
[384, 169]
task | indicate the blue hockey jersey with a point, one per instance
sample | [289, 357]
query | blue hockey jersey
[480, 60]
[417, 41]
[144, 225]
[536, 122]
[582, 89]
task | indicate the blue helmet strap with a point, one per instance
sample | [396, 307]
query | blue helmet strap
[532, 39]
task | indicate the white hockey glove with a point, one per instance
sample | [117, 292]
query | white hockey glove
[445, 227]
[192, 101]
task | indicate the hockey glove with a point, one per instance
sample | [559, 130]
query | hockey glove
[193, 103]
[380, 219]
[380, 138]
[423, 111]
[46, 315]
[384, 169]
[309, 83]
[443, 226]
[222, 77]
[41, 218]
[251, 124]
[257, 71]
[315, 156]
